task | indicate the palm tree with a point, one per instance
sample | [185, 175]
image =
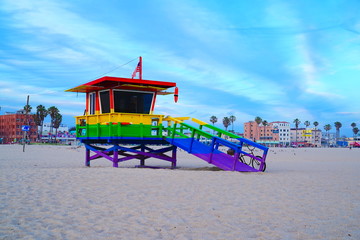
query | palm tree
[213, 119]
[307, 124]
[327, 128]
[315, 124]
[337, 125]
[27, 108]
[52, 111]
[37, 122]
[353, 125]
[39, 117]
[226, 122]
[355, 131]
[264, 123]
[232, 120]
[258, 120]
[57, 122]
[297, 123]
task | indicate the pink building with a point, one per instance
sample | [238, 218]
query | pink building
[267, 135]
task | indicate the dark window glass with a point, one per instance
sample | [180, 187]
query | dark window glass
[92, 103]
[132, 102]
[105, 101]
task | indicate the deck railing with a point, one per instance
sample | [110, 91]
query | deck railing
[247, 151]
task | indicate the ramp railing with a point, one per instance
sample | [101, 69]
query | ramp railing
[241, 149]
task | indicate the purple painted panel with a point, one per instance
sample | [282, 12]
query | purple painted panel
[226, 162]
[212, 156]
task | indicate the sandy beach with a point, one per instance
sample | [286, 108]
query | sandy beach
[46, 192]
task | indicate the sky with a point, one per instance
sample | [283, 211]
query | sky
[279, 60]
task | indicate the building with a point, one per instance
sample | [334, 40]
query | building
[267, 135]
[283, 128]
[307, 137]
[316, 137]
[11, 127]
[279, 133]
[47, 127]
[329, 139]
[59, 135]
[251, 131]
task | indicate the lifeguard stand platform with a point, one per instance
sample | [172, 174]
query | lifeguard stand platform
[119, 124]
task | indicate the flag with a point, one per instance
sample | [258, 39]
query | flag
[137, 70]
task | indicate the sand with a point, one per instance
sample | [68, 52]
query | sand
[47, 193]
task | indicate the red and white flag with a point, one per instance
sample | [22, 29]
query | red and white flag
[137, 70]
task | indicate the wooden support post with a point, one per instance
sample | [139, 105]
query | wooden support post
[236, 158]
[142, 160]
[173, 163]
[115, 157]
[87, 157]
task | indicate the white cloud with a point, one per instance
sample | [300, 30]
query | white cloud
[201, 24]
[292, 112]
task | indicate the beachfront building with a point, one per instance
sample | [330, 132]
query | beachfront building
[61, 134]
[316, 137]
[266, 135]
[283, 129]
[46, 130]
[306, 137]
[11, 127]
[251, 131]
[329, 139]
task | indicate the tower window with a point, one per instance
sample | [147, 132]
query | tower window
[105, 101]
[132, 101]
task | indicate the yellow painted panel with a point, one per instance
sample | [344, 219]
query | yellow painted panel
[199, 121]
[133, 118]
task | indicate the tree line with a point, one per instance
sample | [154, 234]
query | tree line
[227, 121]
[41, 113]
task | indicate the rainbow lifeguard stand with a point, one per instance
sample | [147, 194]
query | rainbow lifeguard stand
[120, 113]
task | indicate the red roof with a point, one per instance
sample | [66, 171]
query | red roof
[123, 83]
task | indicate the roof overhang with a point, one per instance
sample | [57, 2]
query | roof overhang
[123, 83]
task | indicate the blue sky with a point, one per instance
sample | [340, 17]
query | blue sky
[279, 60]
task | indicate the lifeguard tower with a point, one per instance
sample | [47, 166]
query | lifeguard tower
[119, 124]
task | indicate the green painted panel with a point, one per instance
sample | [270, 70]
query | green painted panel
[118, 130]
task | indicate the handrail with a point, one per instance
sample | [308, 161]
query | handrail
[169, 119]
[215, 128]
[238, 147]
[203, 133]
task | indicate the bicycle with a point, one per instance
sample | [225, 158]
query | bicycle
[251, 161]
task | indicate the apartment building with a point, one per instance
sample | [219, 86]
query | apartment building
[306, 137]
[11, 127]
[283, 129]
[268, 135]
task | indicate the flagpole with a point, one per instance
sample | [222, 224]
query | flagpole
[26, 122]
[140, 72]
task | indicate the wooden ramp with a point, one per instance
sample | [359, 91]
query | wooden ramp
[239, 154]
